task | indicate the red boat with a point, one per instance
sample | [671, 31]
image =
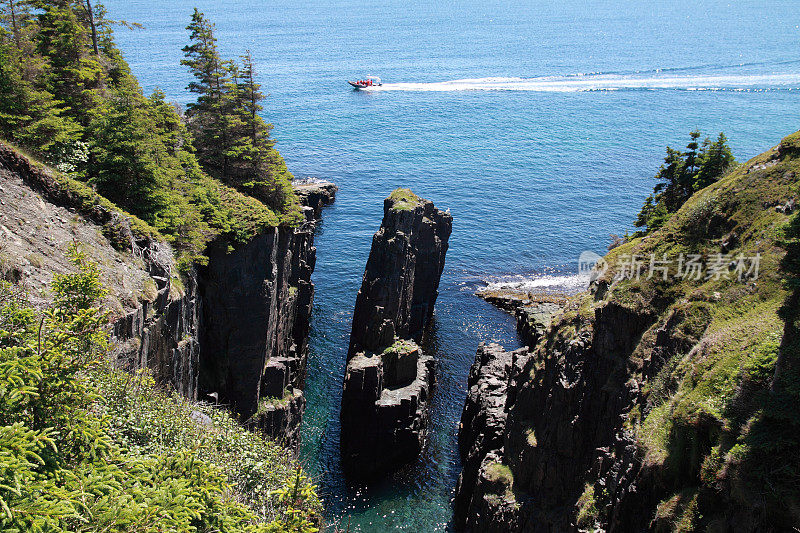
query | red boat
[369, 81]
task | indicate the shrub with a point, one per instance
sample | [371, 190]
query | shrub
[65, 465]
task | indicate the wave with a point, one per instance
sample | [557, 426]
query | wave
[545, 283]
[607, 82]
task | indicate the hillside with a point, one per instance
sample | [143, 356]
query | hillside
[653, 403]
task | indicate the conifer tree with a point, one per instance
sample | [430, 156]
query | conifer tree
[715, 160]
[209, 116]
[261, 171]
[681, 175]
[29, 113]
[232, 140]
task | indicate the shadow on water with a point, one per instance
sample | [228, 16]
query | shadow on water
[416, 497]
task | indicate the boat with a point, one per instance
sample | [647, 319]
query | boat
[369, 81]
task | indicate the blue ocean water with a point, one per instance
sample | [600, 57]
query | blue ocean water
[538, 124]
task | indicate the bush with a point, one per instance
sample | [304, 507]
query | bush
[70, 462]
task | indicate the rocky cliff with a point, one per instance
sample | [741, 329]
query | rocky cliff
[154, 314]
[255, 319]
[388, 378]
[314, 195]
[649, 403]
[236, 328]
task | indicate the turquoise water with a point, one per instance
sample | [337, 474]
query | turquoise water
[539, 125]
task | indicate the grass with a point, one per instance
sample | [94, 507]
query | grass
[147, 420]
[404, 200]
[587, 508]
[705, 415]
[266, 402]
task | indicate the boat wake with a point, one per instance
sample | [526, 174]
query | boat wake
[609, 82]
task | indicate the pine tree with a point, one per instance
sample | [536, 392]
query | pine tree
[209, 116]
[232, 140]
[128, 163]
[716, 159]
[260, 168]
[681, 175]
[29, 114]
[74, 74]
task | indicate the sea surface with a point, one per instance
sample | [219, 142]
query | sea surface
[539, 124]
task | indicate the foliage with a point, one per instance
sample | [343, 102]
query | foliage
[62, 465]
[65, 88]
[681, 175]
[404, 199]
[717, 422]
[232, 140]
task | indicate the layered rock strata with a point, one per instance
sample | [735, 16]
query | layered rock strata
[234, 331]
[388, 378]
[154, 315]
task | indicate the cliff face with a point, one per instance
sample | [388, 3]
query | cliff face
[401, 279]
[237, 327]
[154, 316]
[648, 404]
[388, 378]
[255, 319]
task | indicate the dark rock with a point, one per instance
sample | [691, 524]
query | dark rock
[388, 379]
[256, 310]
[383, 425]
[280, 418]
[561, 406]
[483, 420]
[401, 279]
[314, 195]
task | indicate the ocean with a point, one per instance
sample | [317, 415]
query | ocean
[539, 125]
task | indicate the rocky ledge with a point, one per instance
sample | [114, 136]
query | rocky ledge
[314, 195]
[388, 379]
[384, 409]
[534, 312]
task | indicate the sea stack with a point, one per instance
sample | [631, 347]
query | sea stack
[388, 378]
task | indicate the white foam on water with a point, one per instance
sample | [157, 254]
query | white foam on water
[547, 283]
[605, 82]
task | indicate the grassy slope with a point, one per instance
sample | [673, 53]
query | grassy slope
[694, 426]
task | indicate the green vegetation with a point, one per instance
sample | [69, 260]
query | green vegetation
[264, 403]
[501, 475]
[718, 424]
[498, 472]
[86, 448]
[681, 175]
[404, 199]
[68, 96]
[587, 509]
[232, 140]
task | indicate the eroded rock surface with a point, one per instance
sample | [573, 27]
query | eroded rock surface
[388, 379]
[314, 195]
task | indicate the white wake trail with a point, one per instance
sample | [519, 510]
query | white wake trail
[605, 82]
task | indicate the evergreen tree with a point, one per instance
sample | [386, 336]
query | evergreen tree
[73, 74]
[29, 114]
[232, 140]
[209, 117]
[681, 175]
[262, 172]
[715, 160]
[128, 163]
